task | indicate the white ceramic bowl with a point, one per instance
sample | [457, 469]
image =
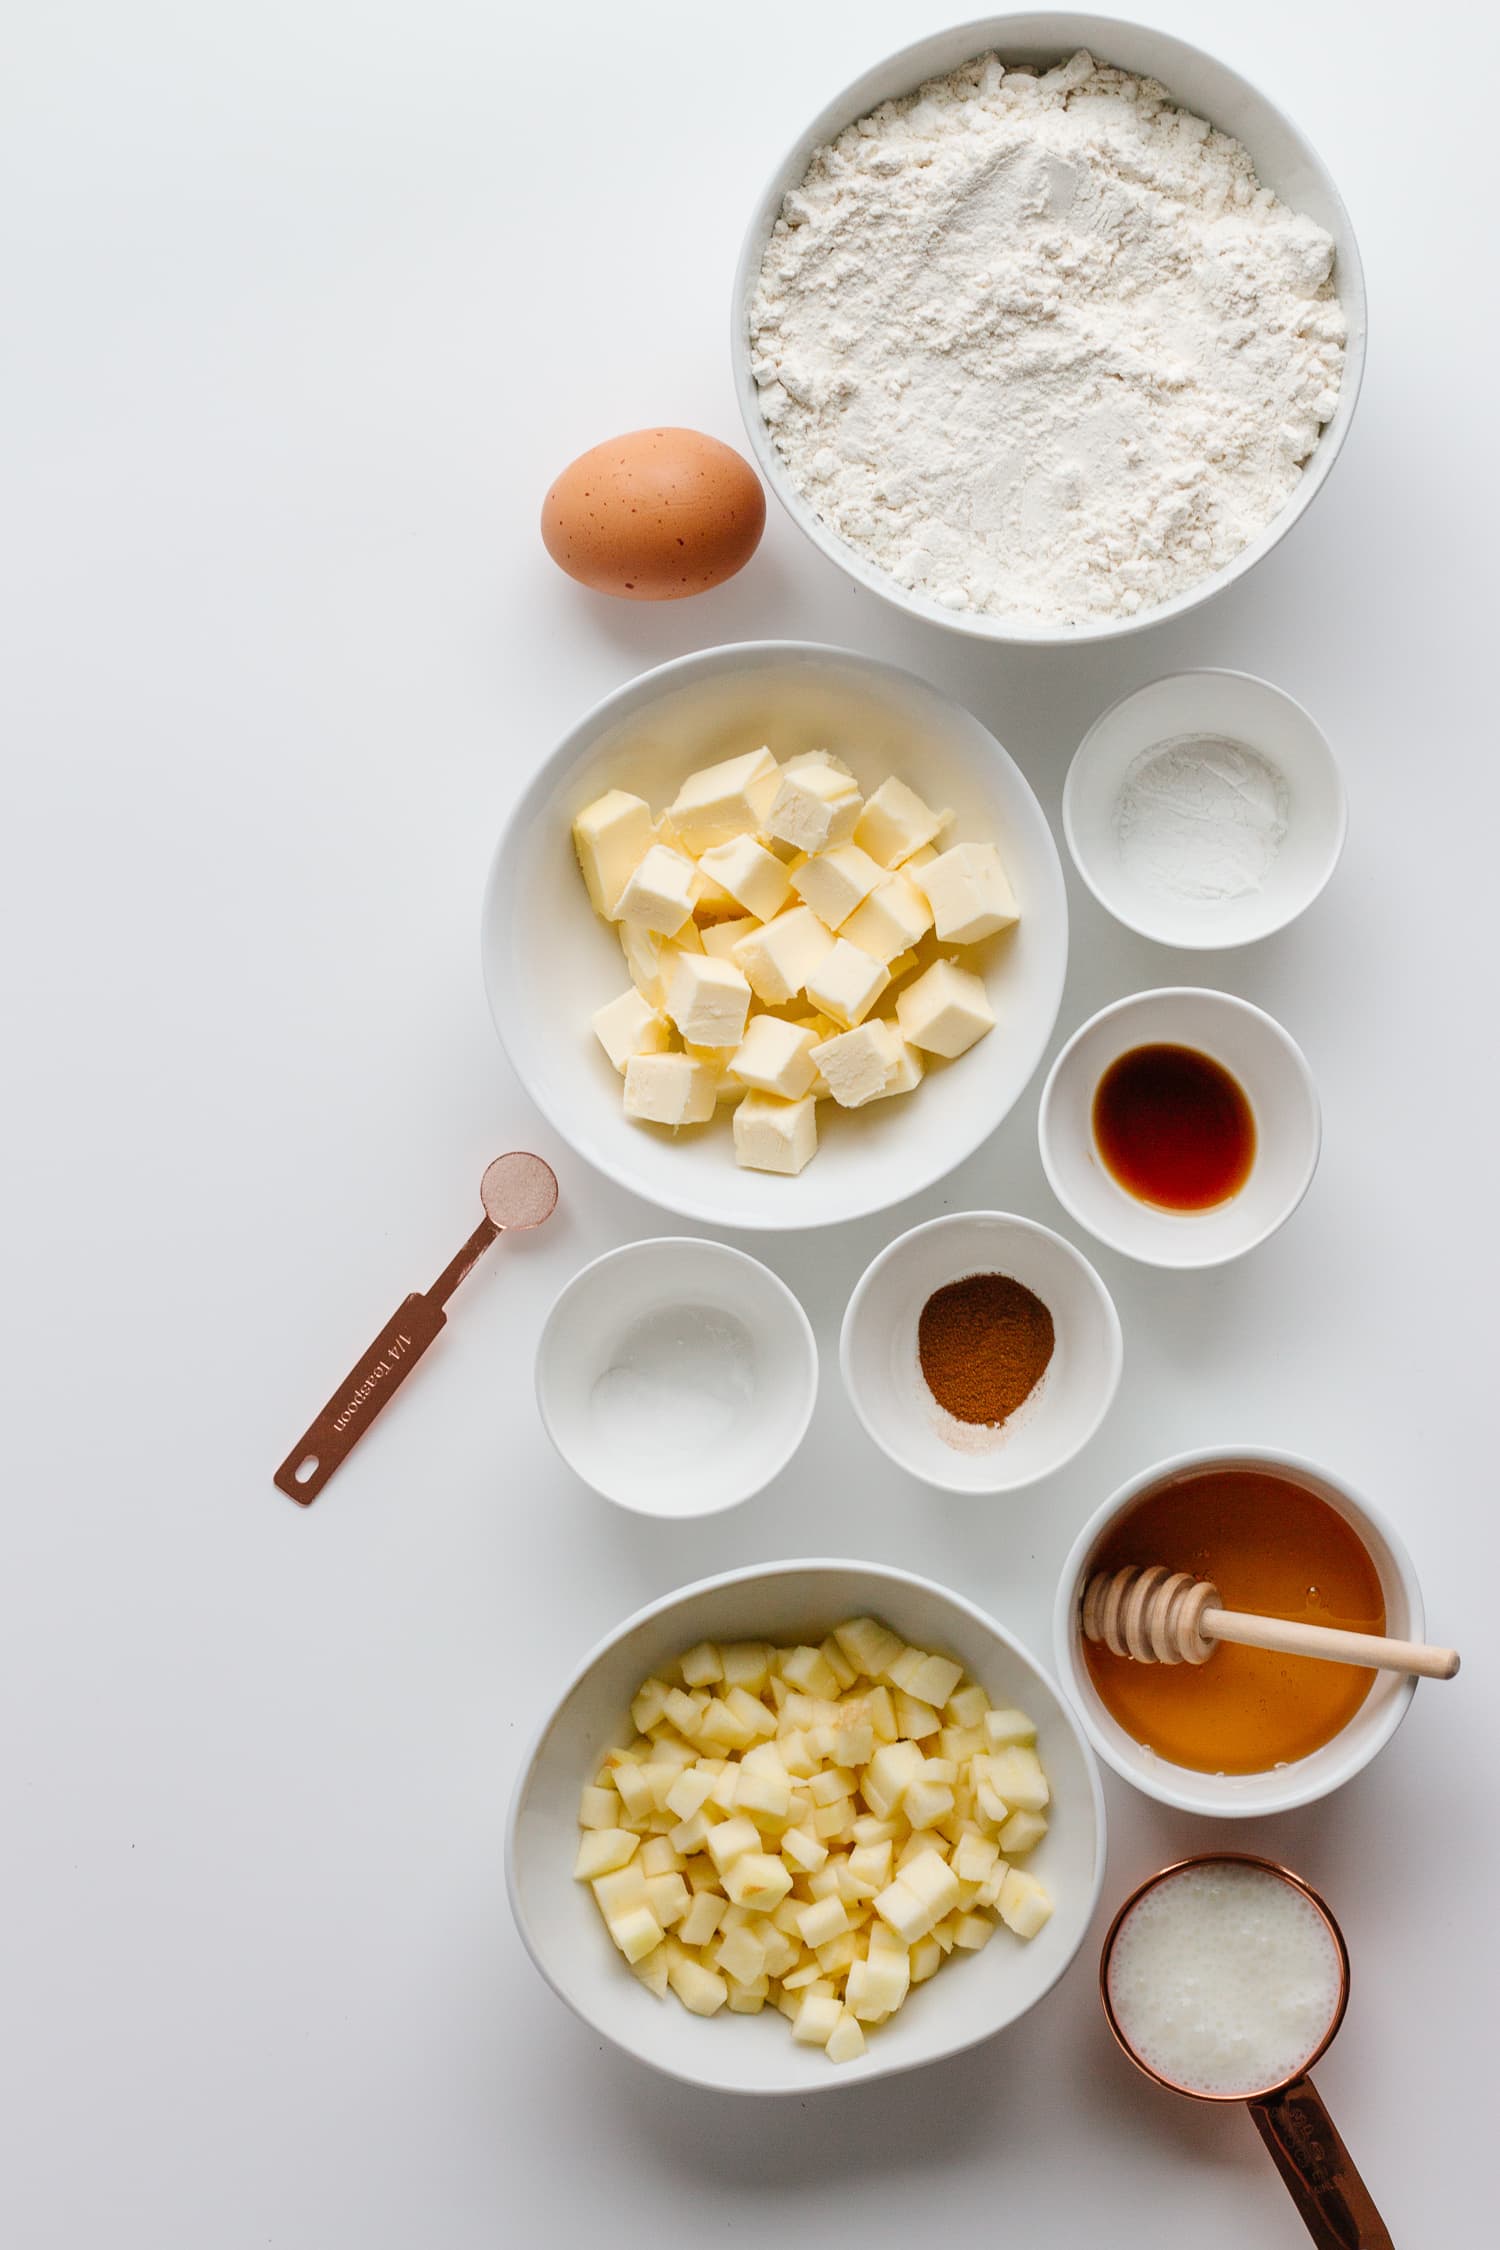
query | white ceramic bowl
[676, 1376]
[882, 1374]
[790, 1602]
[549, 961]
[1235, 708]
[1243, 1795]
[1283, 159]
[1271, 1069]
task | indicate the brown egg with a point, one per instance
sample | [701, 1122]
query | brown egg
[654, 515]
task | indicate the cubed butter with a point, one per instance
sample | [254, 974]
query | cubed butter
[670, 1090]
[846, 984]
[708, 1000]
[945, 1011]
[659, 893]
[630, 1026]
[775, 1057]
[896, 822]
[816, 804]
[611, 837]
[721, 938]
[969, 893]
[859, 1065]
[726, 800]
[779, 959]
[834, 883]
[771, 1135]
[891, 919]
[649, 956]
[750, 875]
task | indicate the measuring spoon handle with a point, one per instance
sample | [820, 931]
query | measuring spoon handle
[1337, 2208]
[370, 1384]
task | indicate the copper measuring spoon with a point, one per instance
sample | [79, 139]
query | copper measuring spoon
[1337, 2208]
[518, 1192]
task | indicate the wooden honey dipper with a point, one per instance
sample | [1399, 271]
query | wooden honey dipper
[1161, 1616]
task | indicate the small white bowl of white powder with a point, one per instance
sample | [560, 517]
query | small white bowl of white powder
[1205, 810]
[1048, 328]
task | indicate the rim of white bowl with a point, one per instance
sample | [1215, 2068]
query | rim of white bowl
[640, 690]
[1207, 943]
[697, 1243]
[1067, 1711]
[855, 100]
[955, 1220]
[1132, 1000]
[1186, 1795]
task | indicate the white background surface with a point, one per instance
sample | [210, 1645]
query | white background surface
[305, 303]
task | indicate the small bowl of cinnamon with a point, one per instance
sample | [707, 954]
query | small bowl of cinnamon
[981, 1351]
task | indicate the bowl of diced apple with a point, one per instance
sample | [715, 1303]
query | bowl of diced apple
[776, 936]
[828, 1796]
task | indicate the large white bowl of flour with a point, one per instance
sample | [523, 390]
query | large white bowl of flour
[1048, 361]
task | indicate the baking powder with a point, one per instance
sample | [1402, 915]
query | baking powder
[1200, 818]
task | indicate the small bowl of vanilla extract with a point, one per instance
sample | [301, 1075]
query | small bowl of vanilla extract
[1181, 1126]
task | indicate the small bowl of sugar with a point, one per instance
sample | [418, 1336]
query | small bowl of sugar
[1205, 810]
[676, 1376]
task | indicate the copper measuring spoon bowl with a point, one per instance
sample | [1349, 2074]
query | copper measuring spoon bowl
[1336, 2207]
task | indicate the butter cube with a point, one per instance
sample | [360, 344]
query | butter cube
[890, 921]
[859, 1065]
[896, 822]
[834, 883]
[708, 1000]
[729, 799]
[779, 959]
[969, 893]
[659, 893]
[611, 837]
[776, 1058]
[816, 805]
[945, 1011]
[771, 1135]
[669, 1090]
[846, 984]
[715, 1061]
[721, 938]
[909, 1067]
[630, 1026]
[711, 902]
[750, 875]
[649, 956]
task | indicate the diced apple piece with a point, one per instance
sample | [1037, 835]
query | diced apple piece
[1008, 1726]
[972, 1932]
[652, 1970]
[689, 1792]
[758, 1881]
[804, 1851]
[701, 1921]
[748, 1999]
[602, 1850]
[741, 1954]
[869, 1645]
[902, 1911]
[1023, 1902]
[730, 1840]
[668, 1898]
[658, 1857]
[702, 1991]
[927, 1802]
[876, 1987]
[747, 1664]
[599, 1808]
[823, 1921]
[1022, 1833]
[619, 1892]
[926, 1959]
[846, 2042]
[975, 1858]
[808, 1670]
[1015, 1773]
[636, 1932]
[917, 1720]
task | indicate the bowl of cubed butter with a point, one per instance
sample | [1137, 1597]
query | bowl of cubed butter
[828, 1795]
[776, 936]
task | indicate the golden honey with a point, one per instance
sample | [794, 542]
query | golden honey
[1270, 1545]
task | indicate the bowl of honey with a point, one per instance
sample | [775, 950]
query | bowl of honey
[1180, 1126]
[1249, 1732]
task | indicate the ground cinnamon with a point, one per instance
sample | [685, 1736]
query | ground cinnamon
[984, 1344]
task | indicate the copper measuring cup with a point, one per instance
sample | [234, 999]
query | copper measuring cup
[1337, 2208]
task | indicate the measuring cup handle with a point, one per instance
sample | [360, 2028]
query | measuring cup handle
[373, 1379]
[1337, 2208]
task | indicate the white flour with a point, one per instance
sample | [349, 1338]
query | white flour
[1044, 347]
[1200, 818]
